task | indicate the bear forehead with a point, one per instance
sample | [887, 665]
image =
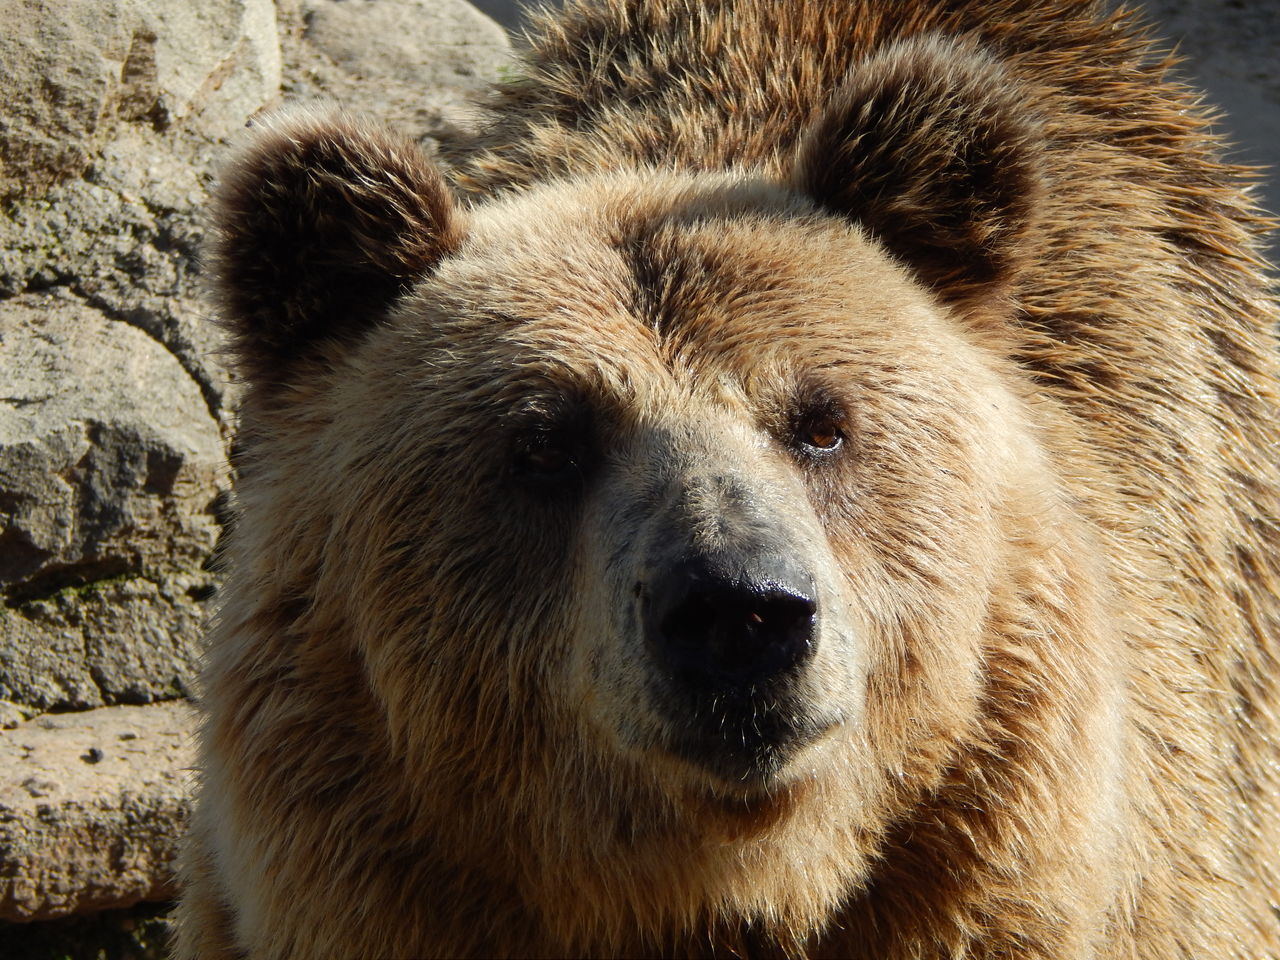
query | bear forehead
[709, 273]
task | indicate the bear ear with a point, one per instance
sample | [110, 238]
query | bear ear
[319, 225]
[930, 147]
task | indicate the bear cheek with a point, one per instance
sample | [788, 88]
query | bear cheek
[919, 552]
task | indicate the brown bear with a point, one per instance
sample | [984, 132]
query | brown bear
[806, 487]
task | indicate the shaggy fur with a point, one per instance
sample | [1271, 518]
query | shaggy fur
[952, 306]
[332, 221]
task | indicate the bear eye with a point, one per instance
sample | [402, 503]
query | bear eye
[545, 455]
[823, 435]
[818, 430]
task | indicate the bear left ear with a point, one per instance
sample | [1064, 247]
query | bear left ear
[319, 226]
[929, 146]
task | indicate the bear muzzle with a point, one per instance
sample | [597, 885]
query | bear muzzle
[729, 635]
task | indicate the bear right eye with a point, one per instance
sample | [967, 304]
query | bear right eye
[546, 458]
[549, 459]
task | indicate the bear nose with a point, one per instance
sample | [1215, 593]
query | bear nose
[718, 632]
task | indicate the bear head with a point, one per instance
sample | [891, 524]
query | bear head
[676, 523]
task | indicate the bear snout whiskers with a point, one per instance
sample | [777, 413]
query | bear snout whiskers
[729, 635]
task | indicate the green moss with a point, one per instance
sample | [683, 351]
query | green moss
[80, 591]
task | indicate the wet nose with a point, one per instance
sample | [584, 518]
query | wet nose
[720, 627]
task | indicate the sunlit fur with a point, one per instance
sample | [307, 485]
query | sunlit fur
[1001, 244]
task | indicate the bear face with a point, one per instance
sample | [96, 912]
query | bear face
[692, 541]
[658, 527]
[659, 474]
[583, 468]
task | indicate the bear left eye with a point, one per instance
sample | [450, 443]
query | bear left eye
[818, 433]
[824, 435]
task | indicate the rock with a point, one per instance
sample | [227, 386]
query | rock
[212, 63]
[129, 640]
[110, 471]
[415, 64]
[73, 70]
[134, 94]
[91, 806]
[130, 249]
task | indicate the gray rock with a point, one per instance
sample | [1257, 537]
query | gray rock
[134, 94]
[91, 806]
[210, 63]
[415, 64]
[123, 248]
[74, 70]
[110, 469]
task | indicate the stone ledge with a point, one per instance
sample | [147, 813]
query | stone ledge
[92, 805]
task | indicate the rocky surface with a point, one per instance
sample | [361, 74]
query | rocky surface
[431, 58]
[76, 70]
[91, 806]
[111, 469]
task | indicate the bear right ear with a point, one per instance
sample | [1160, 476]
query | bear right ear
[320, 224]
[930, 146]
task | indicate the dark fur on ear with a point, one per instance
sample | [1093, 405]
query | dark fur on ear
[320, 224]
[929, 146]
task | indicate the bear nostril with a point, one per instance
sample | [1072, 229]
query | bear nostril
[718, 633]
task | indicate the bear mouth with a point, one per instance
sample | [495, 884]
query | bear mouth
[744, 741]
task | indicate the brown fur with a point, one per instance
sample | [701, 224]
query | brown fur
[993, 248]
